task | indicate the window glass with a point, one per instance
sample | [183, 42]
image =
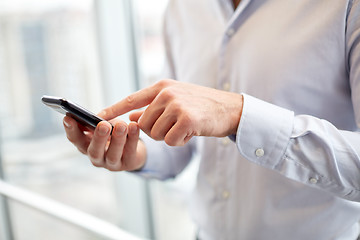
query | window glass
[149, 31]
[49, 47]
[170, 198]
[46, 47]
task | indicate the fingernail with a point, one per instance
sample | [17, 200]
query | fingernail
[120, 129]
[103, 130]
[133, 129]
[66, 124]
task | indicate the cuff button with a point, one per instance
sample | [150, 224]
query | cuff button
[313, 180]
[259, 152]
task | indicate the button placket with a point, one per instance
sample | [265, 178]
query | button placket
[225, 194]
[225, 141]
[230, 32]
[226, 86]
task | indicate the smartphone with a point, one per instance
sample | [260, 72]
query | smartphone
[68, 108]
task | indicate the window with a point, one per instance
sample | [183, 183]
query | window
[49, 47]
[171, 219]
[92, 52]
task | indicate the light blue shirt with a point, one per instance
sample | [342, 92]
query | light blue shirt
[294, 170]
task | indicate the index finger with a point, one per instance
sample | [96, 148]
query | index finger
[136, 100]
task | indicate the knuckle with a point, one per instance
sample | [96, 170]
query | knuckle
[130, 99]
[113, 168]
[164, 83]
[111, 160]
[93, 154]
[82, 150]
[170, 141]
[168, 94]
[96, 163]
[176, 108]
[70, 138]
[186, 121]
[156, 135]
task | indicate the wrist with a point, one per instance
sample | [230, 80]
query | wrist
[235, 112]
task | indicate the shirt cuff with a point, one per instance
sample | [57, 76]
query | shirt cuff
[264, 132]
[152, 168]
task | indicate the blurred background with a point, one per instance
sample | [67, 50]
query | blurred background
[94, 52]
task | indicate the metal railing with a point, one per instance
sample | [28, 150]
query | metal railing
[5, 219]
[64, 212]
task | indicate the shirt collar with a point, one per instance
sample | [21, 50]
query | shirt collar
[225, 10]
[226, 7]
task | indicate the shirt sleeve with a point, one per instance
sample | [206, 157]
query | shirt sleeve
[164, 162]
[305, 148]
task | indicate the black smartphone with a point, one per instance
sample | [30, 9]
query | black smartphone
[68, 108]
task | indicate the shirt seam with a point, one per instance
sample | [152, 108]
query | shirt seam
[287, 157]
[321, 176]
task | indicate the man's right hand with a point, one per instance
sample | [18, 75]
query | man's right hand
[121, 151]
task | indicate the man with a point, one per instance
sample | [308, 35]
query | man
[281, 79]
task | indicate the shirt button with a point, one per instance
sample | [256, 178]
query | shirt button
[225, 141]
[225, 194]
[226, 86]
[313, 180]
[230, 32]
[259, 152]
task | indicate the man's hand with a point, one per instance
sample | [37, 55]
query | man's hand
[178, 111]
[120, 151]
